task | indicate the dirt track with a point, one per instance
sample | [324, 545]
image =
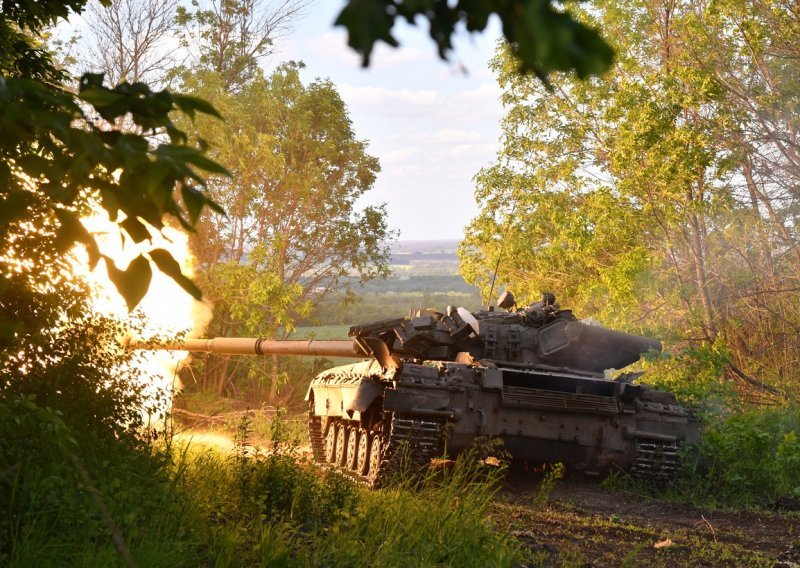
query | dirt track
[584, 524]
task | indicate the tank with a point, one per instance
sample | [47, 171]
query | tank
[433, 383]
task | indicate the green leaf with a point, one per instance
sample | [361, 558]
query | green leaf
[367, 21]
[169, 266]
[194, 201]
[136, 229]
[133, 282]
[207, 164]
[99, 97]
[72, 231]
[545, 35]
[188, 104]
[182, 155]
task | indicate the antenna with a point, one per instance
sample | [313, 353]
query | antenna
[500, 254]
[494, 276]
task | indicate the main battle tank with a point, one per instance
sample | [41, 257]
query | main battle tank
[434, 382]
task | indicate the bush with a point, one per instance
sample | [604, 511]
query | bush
[153, 503]
[81, 479]
[751, 458]
[79, 503]
[696, 375]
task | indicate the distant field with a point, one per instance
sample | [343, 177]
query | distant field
[321, 332]
[424, 275]
[394, 297]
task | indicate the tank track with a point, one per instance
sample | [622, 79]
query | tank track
[409, 446]
[655, 460]
[315, 436]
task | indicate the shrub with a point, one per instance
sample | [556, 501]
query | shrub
[750, 458]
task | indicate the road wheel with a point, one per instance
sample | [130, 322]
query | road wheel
[330, 443]
[362, 459]
[375, 456]
[341, 444]
[352, 448]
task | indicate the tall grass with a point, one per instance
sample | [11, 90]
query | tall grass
[187, 506]
[279, 509]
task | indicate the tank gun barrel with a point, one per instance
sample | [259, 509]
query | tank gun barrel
[257, 346]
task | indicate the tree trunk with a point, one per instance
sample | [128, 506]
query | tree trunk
[698, 261]
[222, 376]
[273, 384]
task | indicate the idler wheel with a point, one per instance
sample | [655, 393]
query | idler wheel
[362, 459]
[351, 458]
[341, 444]
[330, 444]
[375, 456]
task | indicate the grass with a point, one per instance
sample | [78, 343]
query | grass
[173, 504]
[290, 512]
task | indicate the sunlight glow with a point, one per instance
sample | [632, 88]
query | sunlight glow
[168, 311]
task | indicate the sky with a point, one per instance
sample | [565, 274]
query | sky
[432, 124]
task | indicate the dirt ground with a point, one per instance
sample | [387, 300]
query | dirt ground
[585, 524]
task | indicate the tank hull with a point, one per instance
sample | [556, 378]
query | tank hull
[541, 414]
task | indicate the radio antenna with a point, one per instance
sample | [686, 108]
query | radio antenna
[500, 254]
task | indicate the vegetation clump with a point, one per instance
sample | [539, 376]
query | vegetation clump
[749, 458]
[159, 504]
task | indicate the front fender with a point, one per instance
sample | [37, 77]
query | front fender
[337, 399]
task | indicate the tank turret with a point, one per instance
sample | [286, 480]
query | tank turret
[433, 382]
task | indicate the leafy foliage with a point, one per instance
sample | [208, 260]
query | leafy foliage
[636, 198]
[60, 150]
[544, 37]
[693, 375]
[754, 456]
[71, 413]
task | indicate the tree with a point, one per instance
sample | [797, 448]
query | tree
[755, 63]
[59, 393]
[129, 40]
[294, 229]
[230, 37]
[631, 196]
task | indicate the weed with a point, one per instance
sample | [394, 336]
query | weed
[553, 473]
[630, 559]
